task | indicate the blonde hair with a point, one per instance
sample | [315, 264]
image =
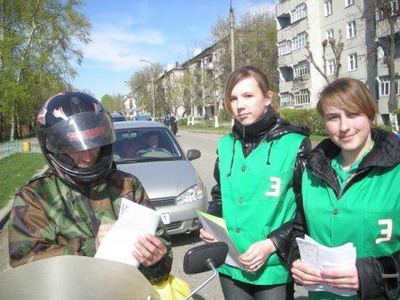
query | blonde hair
[243, 73]
[348, 94]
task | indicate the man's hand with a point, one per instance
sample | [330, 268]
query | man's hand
[305, 275]
[341, 278]
[103, 229]
[254, 258]
[149, 250]
[207, 237]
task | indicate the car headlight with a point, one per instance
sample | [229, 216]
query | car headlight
[193, 193]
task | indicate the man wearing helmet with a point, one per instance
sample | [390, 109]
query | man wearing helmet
[69, 209]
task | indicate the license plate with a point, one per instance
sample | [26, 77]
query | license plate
[165, 219]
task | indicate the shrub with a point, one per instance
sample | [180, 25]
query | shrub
[305, 117]
[223, 115]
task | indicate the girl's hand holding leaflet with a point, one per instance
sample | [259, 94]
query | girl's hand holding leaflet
[305, 275]
[207, 237]
[254, 258]
[341, 278]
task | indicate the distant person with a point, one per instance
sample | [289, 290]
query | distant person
[167, 120]
[351, 194]
[69, 209]
[173, 124]
[129, 147]
[254, 194]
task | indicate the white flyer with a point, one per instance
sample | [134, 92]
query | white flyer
[321, 257]
[134, 221]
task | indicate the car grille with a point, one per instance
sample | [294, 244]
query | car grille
[173, 225]
[158, 202]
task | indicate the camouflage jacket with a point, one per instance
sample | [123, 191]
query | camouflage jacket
[50, 218]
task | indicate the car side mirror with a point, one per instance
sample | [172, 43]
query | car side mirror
[205, 257]
[193, 154]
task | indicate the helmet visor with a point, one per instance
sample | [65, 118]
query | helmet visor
[83, 131]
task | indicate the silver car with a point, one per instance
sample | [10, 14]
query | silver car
[149, 151]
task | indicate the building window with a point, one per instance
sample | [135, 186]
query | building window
[329, 34]
[384, 87]
[300, 12]
[286, 100]
[351, 29]
[300, 41]
[330, 67]
[393, 6]
[302, 97]
[348, 3]
[328, 7]
[284, 47]
[301, 69]
[398, 87]
[352, 62]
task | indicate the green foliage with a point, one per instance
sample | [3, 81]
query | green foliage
[144, 85]
[113, 103]
[37, 48]
[255, 44]
[305, 117]
[223, 115]
[15, 171]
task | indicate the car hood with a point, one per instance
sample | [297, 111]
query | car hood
[163, 179]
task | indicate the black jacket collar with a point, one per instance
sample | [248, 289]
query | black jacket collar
[268, 127]
[384, 154]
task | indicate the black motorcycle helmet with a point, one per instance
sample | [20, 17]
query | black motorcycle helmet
[72, 122]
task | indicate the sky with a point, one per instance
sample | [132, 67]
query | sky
[124, 32]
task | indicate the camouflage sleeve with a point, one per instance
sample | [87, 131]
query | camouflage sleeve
[32, 236]
[160, 271]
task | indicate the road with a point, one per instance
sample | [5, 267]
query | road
[204, 166]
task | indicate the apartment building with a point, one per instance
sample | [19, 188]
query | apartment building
[383, 82]
[200, 92]
[310, 23]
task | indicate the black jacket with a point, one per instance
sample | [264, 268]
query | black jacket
[267, 128]
[385, 154]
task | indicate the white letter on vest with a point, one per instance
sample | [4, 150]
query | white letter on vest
[387, 232]
[275, 186]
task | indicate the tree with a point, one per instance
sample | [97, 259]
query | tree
[145, 84]
[255, 44]
[337, 49]
[37, 46]
[113, 103]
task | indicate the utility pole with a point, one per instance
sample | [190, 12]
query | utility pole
[231, 23]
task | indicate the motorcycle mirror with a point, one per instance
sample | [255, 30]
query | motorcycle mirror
[198, 259]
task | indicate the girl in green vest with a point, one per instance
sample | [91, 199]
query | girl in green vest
[351, 193]
[254, 173]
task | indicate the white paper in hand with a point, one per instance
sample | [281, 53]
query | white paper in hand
[134, 221]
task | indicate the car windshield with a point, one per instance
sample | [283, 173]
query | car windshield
[144, 144]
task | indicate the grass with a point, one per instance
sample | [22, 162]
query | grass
[16, 169]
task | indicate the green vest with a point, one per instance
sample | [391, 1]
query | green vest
[367, 214]
[257, 197]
